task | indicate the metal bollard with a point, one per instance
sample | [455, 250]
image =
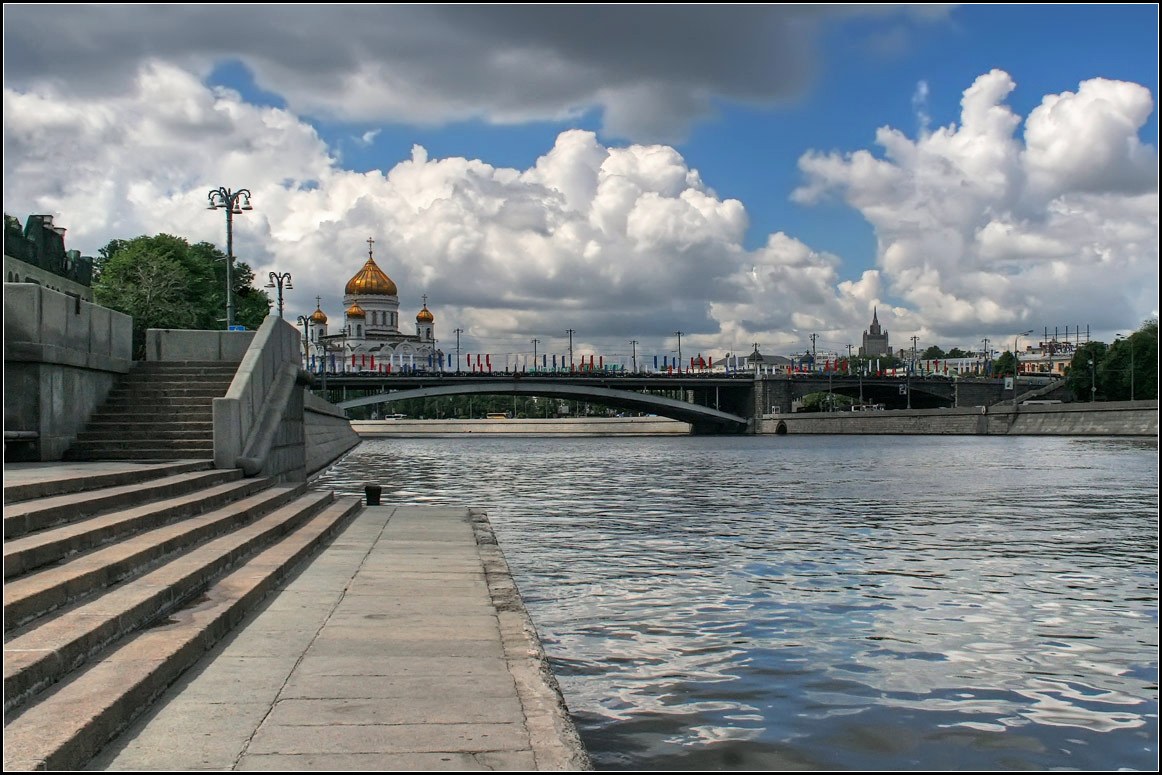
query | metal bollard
[373, 492]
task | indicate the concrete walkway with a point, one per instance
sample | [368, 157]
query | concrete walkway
[402, 646]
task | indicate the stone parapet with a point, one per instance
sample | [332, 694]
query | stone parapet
[1111, 418]
[62, 356]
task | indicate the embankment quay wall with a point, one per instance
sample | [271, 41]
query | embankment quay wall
[328, 434]
[1113, 418]
[62, 356]
[567, 426]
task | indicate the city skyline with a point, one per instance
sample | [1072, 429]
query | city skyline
[750, 174]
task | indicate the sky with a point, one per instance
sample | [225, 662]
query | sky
[745, 174]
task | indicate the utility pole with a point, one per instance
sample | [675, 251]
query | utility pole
[908, 372]
[984, 351]
[813, 364]
[458, 332]
[849, 359]
[679, 333]
[535, 343]
[633, 344]
[570, 332]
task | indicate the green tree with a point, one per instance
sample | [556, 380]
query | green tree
[1082, 376]
[933, 353]
[164, 282]
[1004, 364]
[956, 352]
[1130, 366]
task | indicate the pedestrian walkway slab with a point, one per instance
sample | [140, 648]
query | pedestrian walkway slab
[398, 648]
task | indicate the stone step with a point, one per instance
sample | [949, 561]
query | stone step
[130, 407]
[141, 450]
[131, 445]
[71, 585]
[161, 423]
[144, 432]
[140, 456]
[185, 364]
[64, 728]
[51, 486]
[35, 550]
[47, 512]
[194, 375]
[193, 412]
[151, 391]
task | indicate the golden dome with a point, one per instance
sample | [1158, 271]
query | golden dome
[425, 316]
[355, 311]
[370, 281]
[318, 316]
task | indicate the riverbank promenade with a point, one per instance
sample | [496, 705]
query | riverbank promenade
[402, 645]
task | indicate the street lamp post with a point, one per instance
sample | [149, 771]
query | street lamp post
[535, 342]
[234, 203]
[1016, 364]
[1130, 343]
[280, 281]
[306, 341]
[1092, 382]
[633, 345]
[570, 332]
[679, 333]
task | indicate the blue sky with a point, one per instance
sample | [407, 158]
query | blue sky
[504, 87]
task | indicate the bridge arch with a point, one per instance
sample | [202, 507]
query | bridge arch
[704, 419]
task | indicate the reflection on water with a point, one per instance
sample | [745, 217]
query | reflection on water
[825, 603]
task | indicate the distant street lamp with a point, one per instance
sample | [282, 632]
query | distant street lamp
[679, 333]
[306, 341]
[280, 281]
[234, 203]
[1017, 363]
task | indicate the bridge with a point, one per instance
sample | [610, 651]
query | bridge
[710, 402]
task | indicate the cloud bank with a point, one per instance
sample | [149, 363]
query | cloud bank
[982, 228]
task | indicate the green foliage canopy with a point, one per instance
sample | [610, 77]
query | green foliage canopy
[165, 282]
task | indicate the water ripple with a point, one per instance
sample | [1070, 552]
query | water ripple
[825, 603]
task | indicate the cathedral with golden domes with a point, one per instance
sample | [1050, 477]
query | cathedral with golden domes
[370, 339]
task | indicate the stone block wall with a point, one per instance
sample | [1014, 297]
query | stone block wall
[327, 433]
[62, 356]
[1110, 418]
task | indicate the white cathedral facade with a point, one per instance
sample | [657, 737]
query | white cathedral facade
[370, 339]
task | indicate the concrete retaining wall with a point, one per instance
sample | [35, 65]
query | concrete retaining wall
[1113, 418]
[568, 426]
[62, 356]
[328, 434]
[243, 415]
[171, 344]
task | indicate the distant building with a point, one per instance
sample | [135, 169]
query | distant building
[875, 341]
[767, 364]
[36, 254]
[370, 339]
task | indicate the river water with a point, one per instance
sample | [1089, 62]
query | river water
[812, 602]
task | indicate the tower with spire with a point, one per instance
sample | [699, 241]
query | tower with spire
[875, 342]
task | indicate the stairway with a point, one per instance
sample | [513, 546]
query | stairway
[116, 584]
[160, 410]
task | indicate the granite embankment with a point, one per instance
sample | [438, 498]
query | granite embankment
[566, 426]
